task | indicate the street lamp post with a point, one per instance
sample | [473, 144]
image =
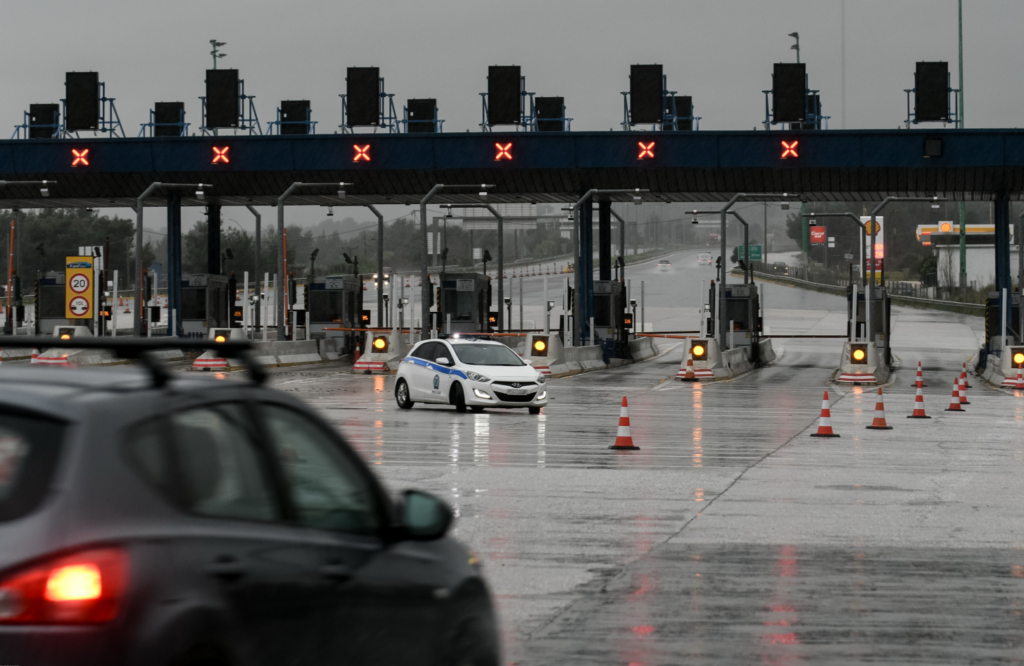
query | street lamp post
[380, 265]
[796, 47]
[501, 255]
[282, 279]
[578, 277]
[139, 205]
[424, 276]
[256, 268]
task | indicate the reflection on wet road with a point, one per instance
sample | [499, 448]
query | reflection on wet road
[731, 536]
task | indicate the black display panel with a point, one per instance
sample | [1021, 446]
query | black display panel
[165, 113]
[43, 114]
[931, 99]
[789, 92]
[503, 98]
[222, 97]
[646, 86]
[550, 112]
[82, 97]
[295, 111]
[362, 96]
[421, 115]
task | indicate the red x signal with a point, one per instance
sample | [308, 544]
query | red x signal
[646, 151]
[80, 157]
[220, 155]
[362, 153]
[789, 149]
[504, 151]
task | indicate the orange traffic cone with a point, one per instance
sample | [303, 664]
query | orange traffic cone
[963, 390]
[920, 378]
[35, 356]
[919, 407]
[624, 439]
[825, 422]
[963, 376]
[878, 423]
[1020, 378]
[120, 302]
[690, 376]
[954, 402]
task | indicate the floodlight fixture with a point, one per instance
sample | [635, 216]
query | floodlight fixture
[312, 257]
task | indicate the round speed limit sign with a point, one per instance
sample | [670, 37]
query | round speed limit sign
[79, 306]
[79, 283]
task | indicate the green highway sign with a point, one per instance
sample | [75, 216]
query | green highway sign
[755, 252]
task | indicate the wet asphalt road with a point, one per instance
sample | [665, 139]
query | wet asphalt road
[731, 536]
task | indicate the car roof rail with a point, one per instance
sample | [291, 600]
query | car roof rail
[140, 348]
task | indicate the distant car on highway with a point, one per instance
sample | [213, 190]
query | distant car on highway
[704, 258]
[165, 520]
[664, 265]
[780, 267]
[467, 372]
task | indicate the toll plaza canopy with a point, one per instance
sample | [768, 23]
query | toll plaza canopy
[527, 167]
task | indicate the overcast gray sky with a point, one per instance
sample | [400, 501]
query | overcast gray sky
[719, 51]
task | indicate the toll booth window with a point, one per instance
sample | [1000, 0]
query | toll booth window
[193, 303]
[325, 306]
[602, 310]
[459, 304]
[52, 306]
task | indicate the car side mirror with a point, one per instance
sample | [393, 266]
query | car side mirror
[528, 361]
[442, 360]
[424, 516]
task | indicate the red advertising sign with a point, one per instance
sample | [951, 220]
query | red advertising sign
[817, 234]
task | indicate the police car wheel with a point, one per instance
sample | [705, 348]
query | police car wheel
[535, 410]
[476, 408]
[458, 398]
[402, 395]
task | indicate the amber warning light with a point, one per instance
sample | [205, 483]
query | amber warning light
[1018, 358]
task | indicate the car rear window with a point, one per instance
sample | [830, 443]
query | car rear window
[29, 449]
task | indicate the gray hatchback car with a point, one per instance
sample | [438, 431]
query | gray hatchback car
[148, 520]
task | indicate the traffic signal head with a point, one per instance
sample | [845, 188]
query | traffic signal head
[492, 319]
[380, 344]
[699, 349]
[540, 346]
[364, 317]
[859, 354]
[627, 321]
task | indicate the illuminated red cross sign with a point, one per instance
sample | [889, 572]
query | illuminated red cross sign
[789, 149]
[646, 150]
[362, 153]
[220, 155]
[504, 151]
[80, 157]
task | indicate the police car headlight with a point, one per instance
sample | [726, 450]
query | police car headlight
[541, 379]
[542, 395]
[481, 394]
[477, 377]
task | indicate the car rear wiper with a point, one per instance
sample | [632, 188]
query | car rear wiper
[139, 348]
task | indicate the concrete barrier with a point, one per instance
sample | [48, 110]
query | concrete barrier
[297, 352]
[642, 349]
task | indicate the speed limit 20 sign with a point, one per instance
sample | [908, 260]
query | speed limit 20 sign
[78, 287]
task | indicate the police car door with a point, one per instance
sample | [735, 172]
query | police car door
[441, 379]
[420, 375]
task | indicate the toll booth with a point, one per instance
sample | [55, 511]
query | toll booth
[335, 301]
[205, 303]
[50, 303]
[610, 310]
[864, 361]
[742, 314]
[467, 298]
[856, 322]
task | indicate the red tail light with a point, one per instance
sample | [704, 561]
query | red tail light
[85, 588]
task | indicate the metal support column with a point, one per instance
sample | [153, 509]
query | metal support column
[174, 260]
[213, 239]
[256, 276]
[604, 239]
[1002, 220]
[587, 266]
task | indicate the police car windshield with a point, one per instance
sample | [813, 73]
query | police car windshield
[484, 354]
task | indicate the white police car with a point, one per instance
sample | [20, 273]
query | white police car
[467, 372]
